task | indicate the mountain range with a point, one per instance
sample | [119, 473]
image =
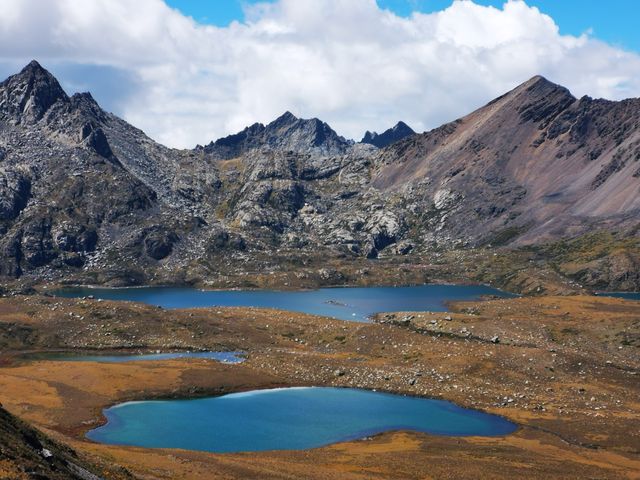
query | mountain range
[83, 194]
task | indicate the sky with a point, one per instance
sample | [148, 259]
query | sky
[190, 71]
[612, 21]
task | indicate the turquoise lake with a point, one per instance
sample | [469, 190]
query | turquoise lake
[223, 357]
[286, 419]
[342, 303]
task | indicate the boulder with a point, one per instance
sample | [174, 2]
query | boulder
[158, 244]
[384, 227]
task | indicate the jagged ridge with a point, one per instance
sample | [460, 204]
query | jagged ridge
[287, 132]
[92, 198]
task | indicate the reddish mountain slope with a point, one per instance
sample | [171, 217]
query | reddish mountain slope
[574, 163]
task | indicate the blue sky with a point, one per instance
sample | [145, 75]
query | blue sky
[614, 21]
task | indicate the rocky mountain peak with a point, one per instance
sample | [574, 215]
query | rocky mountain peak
[537, 100]
[33, 68]
[28, 95]
[539, 86]
[399, 131]
[286, 119]
[538, 80]
[287, 132]
[401, 126]
[302, 135]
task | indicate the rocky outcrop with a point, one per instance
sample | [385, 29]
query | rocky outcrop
[385, 229]
[27, 453]
[618, 271]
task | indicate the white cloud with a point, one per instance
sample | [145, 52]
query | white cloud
[345, 61]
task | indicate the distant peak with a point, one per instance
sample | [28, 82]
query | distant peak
[289, 121]
[368, 136]
[286, 117]
[399, 131]
[34, 70]
[401, 126]
[34, 90]
[539, 84]
[537, 99]
[537, 88]
[287, 132]
[33, 65]
[536, 79]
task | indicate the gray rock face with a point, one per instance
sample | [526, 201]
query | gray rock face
[37, 244]
[84, 194]
[15, 190]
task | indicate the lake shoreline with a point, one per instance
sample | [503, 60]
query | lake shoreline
[512, 271]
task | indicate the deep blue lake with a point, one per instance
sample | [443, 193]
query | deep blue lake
[626, 295]
[343, 303]
[223, 357]
[286, 419]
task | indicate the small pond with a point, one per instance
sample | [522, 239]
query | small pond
[286, 419]
[223, 357]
